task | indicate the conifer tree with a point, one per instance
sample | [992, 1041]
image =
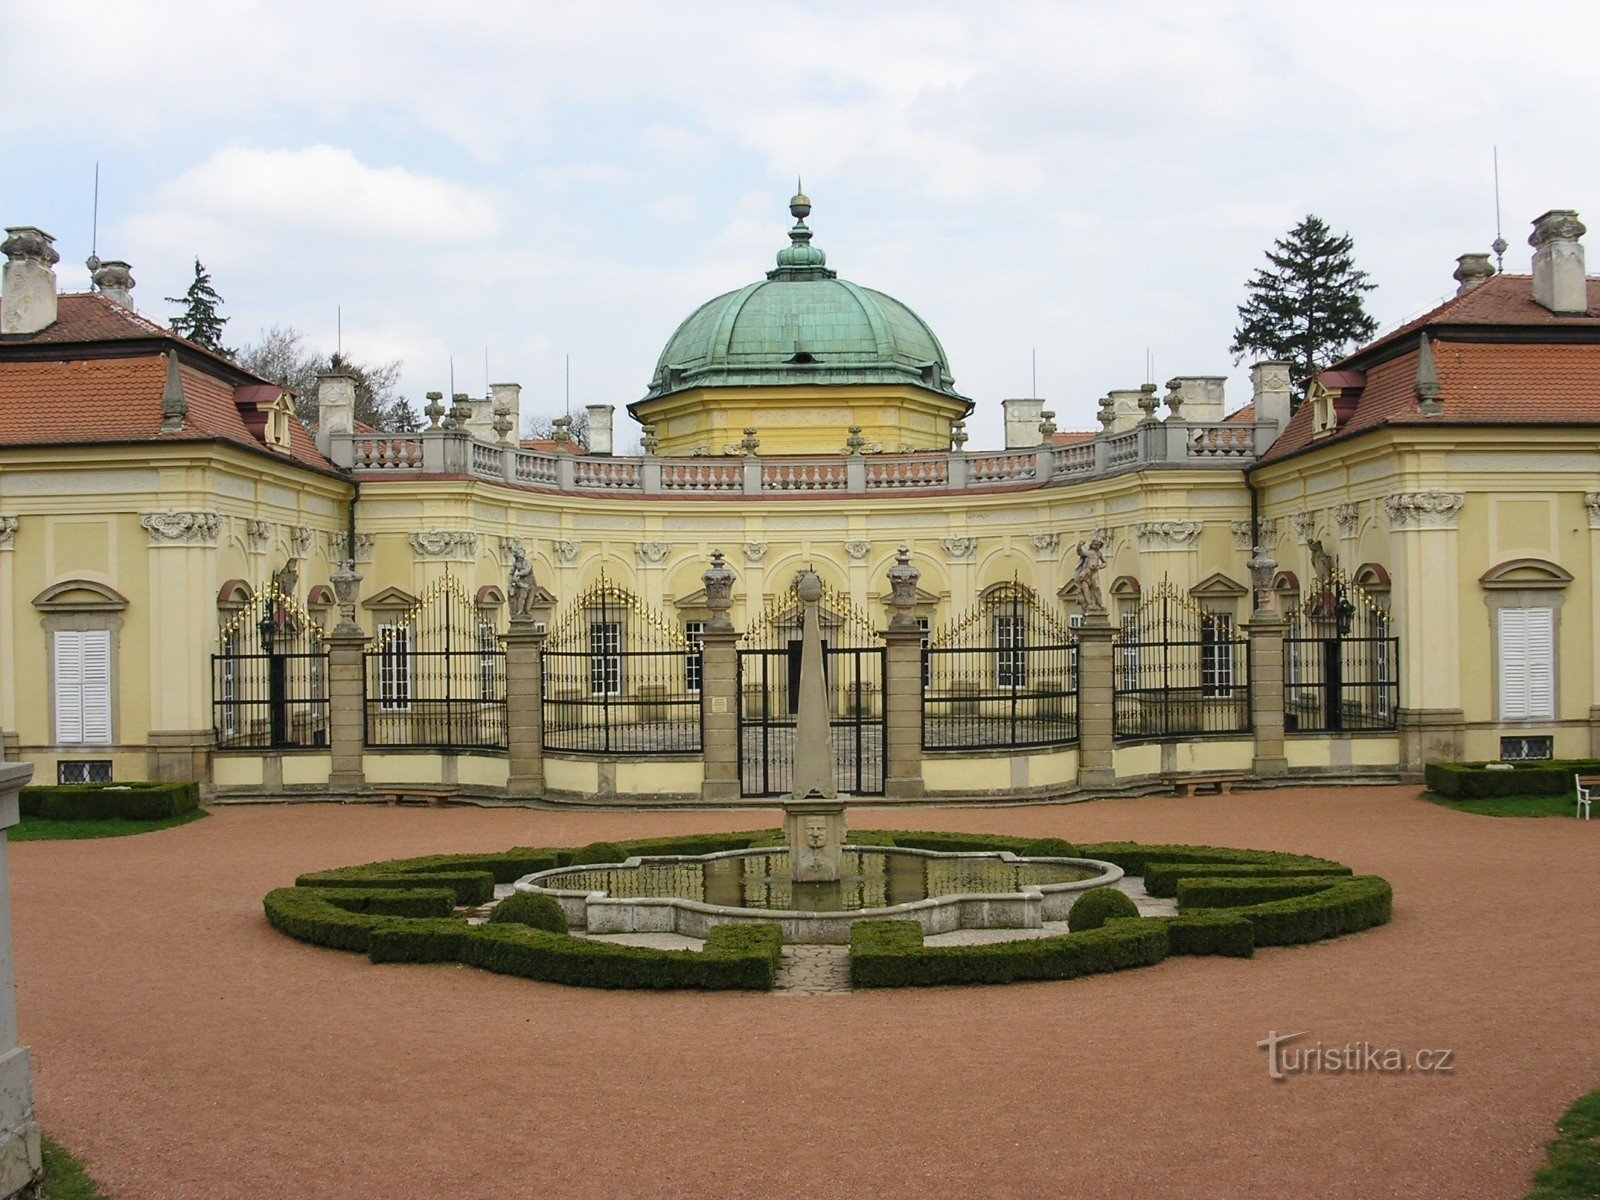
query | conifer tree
[1307, 308]
[200, 322]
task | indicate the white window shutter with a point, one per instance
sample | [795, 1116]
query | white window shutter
[69, 687]
[1541, 663]
[97, 687]
[1527, 664]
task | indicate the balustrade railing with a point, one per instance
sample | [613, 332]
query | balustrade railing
[1222, 444]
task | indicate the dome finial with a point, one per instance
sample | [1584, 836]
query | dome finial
[800, 203]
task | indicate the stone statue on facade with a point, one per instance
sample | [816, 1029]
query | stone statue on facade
[519, 585]
[1321, 564]
[285, 581]
[1086, 575]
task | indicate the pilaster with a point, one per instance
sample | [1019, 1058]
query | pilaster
[719, 714]
[1266, 629]
[347, 702]
[902, 713]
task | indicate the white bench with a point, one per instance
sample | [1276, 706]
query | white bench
[1587, 786]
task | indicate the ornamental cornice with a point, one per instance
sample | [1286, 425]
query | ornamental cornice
[1348, 518]
[755, 553]
[8, 533]
[301, 538]
[1591, 501]
[257, 536]
[339, 546]
[858, 550]
[445, 545]
[1169, 535]
[651, 554]
[1305, 526]
[181, 528]
[1423, 510]
[566, 551]
[1045, 543]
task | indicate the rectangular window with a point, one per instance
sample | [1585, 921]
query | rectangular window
[1216, 655]
[694, 632]
[1527, 664]
[605, 658]
[1010, 661]
[488, 662]
[83, 687]
[83, 770]
[1526, 749]
[1130, 650]
[395, 667]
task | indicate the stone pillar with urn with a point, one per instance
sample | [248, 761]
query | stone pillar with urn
[719, 687]
[524, 641]
[902, 685]
[347, 694]
[1096, 694]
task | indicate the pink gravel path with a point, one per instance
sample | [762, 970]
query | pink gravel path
[185, 1049]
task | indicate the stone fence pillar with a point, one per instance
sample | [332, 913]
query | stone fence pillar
[1096, 701]
[20, 1161]
[1266, 691]
[719, 688]
[347, 693]
[524, 642]
[902, 686]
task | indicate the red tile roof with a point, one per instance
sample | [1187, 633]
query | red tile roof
[1497, 361]
[1070, 437]
[91, 397]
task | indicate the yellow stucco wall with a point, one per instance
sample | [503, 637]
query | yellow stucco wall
[572, 775]
[305, 770]
[663, 776]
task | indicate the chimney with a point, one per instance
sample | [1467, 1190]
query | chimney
[481, 423]
[336, 406]
[505, 400]
[1022, 423]
[1270, 392]
[28, 285]
[115, 281]
[1124, 409]
[600, 436]
[1472, 270]
[1558, 279]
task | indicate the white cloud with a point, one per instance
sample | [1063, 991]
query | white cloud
[329, 190]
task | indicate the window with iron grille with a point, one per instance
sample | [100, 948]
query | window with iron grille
[1010, 660]
[1216, 654]
[605, 658]
[395, 667]
[694, 632]
[1526, 749]
[924, 624]
[488, 662]
[83, 770]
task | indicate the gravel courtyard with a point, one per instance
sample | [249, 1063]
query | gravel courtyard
[183, 1048]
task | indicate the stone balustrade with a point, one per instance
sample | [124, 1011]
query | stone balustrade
[1170, 443]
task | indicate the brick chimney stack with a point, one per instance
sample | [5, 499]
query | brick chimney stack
[28, 283]
[1558, 277]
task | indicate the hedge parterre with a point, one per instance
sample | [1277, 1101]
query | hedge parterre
[1230, 901]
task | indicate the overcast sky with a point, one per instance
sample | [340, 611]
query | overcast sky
[544, 180]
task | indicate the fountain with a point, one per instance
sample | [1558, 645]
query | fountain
[817, 885]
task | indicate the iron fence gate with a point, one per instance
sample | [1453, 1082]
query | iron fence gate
[269, 677]
[769, 694]
[436, 675]
[1177, 670]
[1341, 663]
[1004, 674]
[620, 678]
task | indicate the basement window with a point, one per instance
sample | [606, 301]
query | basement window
[83, 770]
[1526, 749]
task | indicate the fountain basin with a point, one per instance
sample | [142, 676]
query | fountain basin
[692, 894]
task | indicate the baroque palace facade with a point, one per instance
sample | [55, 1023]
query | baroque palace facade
[193, 585]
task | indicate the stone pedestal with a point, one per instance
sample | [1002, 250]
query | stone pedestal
[524, 643]
[179, 755]
[1266, 692]
[1096, 702]
[1429, 735]
[719, 709]
[20, 1161]
[815, 831]
[347, 698]
[902, 713]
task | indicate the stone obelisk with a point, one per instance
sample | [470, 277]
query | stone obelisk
[813, 816]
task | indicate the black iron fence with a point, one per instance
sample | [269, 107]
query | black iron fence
[1004, 674]
[436, 676]
[1179, 669]
[1341, 662]
[620, 678]
[269, 677]
[769, 694]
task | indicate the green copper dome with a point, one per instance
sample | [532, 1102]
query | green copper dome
[804, 326]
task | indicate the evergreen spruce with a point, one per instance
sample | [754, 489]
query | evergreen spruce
[1307, 309]
[200, 322]
[403, 418]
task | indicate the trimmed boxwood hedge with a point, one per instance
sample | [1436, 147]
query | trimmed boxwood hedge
[1229, 892]
[532, 909]
[109, 801]
[1474, 781]
[892, 954]
[1097, 906]
[1161, 879]
[1233, 900]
